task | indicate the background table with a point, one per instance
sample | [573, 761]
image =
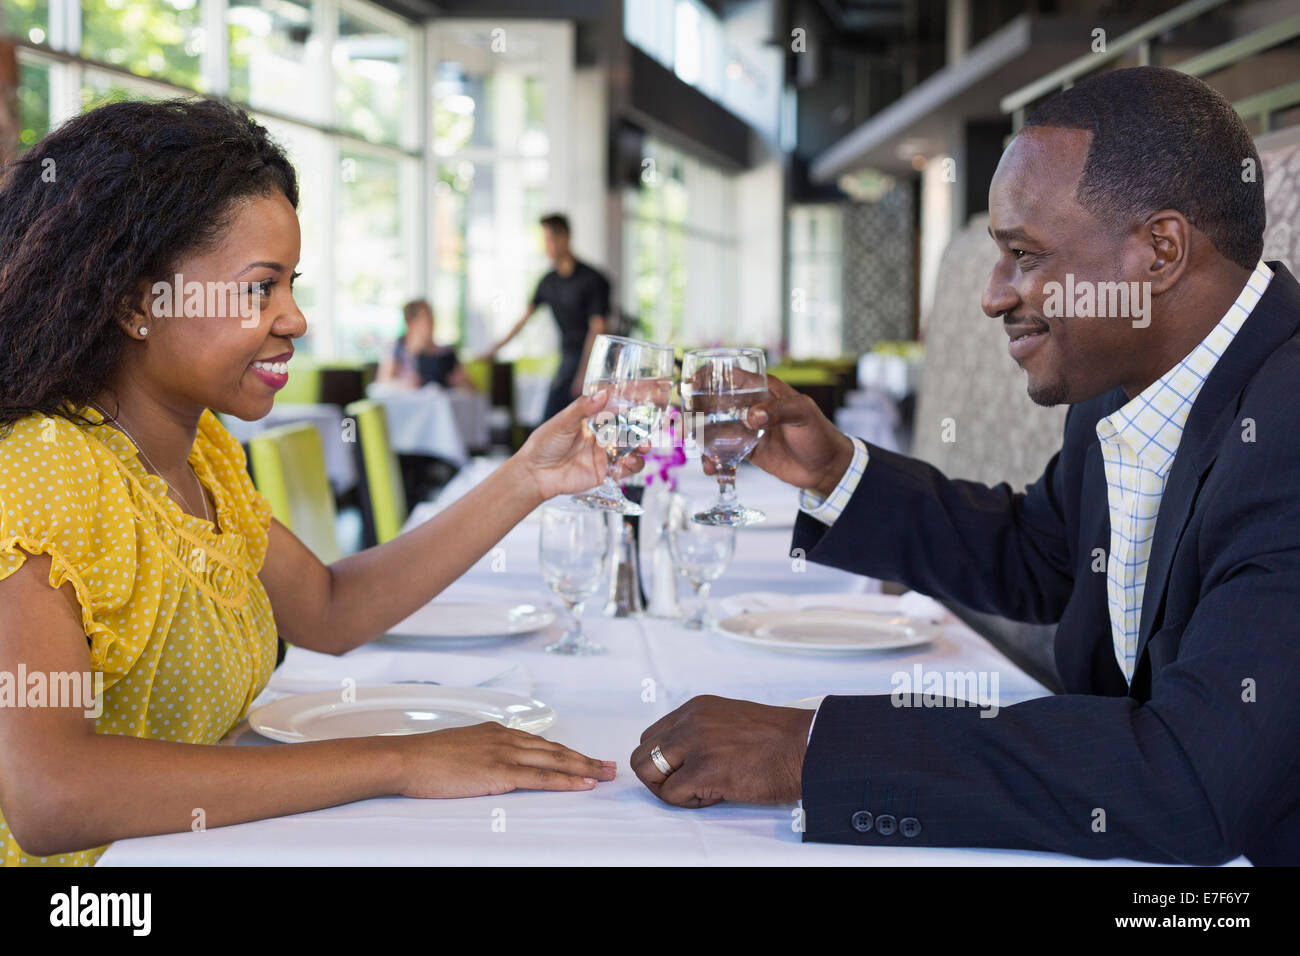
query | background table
[442, 422]
[604, 703]
[340, 463]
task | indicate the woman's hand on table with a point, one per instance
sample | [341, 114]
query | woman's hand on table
[723, 749]
[562, 454]
[488, 759]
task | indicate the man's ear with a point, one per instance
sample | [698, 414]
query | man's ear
[1166, 247]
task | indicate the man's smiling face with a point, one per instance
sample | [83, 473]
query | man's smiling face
[1043, 234]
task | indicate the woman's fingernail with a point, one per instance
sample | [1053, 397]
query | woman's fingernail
[759, 417]
[597, 396]
[590, 780]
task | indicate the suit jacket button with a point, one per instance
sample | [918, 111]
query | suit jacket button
[862, 821]
[910, 826]
[886, 825]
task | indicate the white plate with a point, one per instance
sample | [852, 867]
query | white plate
[451, 622]
[825, 630]
[394, 710]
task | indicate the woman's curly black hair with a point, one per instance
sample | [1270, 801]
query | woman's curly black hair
[112, 200]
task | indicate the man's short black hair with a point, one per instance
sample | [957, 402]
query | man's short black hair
[556, 222]
[1164, 140]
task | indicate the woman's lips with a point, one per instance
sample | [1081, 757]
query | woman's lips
[273, 378]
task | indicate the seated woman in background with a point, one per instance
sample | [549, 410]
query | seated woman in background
[147, 286]
[416, 360]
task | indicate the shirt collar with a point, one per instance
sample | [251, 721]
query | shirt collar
[1151, 424]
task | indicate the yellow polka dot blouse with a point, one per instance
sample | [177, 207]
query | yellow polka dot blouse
[175, 616]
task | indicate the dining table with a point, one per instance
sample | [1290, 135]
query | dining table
[603, 703]
[340, 460]
[434, 420]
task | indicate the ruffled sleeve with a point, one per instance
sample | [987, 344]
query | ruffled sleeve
[58, 498]
[251, 509]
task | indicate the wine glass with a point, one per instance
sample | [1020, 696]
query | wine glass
[639, 378]
[574, 553]
[718, 388]
[701, 553]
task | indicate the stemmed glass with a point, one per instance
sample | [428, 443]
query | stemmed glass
[574, 554]
[639, 378]
[701, 552]
[718, 388]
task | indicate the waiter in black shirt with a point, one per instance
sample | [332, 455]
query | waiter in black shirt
[579, 299]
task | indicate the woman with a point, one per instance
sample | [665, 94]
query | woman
[416, 360]
[132, 543]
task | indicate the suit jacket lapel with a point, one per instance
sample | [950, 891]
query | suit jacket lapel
[1272, 322]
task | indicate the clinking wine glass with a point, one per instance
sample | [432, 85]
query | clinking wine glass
[701, 552]
[574, 554]
[718, 388]
[639, 378]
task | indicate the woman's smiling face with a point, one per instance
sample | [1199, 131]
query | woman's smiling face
[207, 359]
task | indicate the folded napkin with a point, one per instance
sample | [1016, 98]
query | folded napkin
[305, 671]
[911, 604]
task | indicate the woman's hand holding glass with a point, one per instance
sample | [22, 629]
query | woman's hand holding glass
[638, 377]
[563, 455]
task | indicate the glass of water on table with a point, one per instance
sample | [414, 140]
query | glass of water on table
[639, 378]
[701, 552]
[574, 553]
[718, 388]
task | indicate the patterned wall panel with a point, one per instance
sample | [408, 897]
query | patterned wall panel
[1282, 196]
[997, 433]
[877, 284]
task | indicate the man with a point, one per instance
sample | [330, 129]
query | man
[579, 299]
[1178, 736]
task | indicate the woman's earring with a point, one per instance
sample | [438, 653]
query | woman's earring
[144, 330]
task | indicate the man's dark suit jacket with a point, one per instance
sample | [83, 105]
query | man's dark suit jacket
[1199, 760]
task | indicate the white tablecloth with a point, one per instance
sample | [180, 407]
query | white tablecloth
[872, 416]
[340, 464]
[604, 703]
[443, 422]
[530, 398]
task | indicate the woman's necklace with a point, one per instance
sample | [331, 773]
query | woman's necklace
[140, 448]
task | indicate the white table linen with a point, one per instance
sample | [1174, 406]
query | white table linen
[433, 420]
[604, 703]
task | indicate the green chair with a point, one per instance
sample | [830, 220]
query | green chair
[304, 385]
[383, 494]
[289, 468]
[480, 373]
[543, 366]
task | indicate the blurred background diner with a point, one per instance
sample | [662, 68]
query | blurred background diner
[809, 177]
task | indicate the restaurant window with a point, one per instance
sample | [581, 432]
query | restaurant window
[679, 246]
[275, 57]
[816, 264]
[155, 38]
[332, 80]
[26, 18]
[371, 74]
[33, 102]
[499, 116]
[370, 256]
